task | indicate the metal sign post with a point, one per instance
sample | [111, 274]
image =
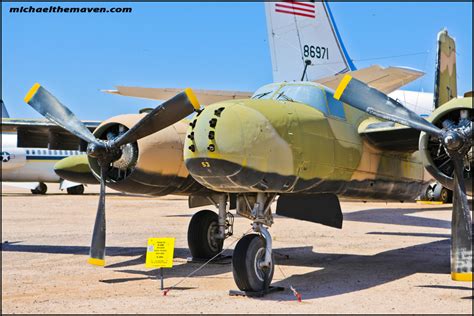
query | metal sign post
[162, 280]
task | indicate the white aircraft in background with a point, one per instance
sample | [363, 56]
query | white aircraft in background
[32, 164]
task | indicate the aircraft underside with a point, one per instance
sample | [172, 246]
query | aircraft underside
[226, 176]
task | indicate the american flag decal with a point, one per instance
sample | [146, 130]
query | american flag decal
[305, 9]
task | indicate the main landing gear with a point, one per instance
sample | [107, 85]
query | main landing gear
[77, 190]
[40, 189]
[207, 230]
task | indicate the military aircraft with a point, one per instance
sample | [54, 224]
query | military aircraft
[30, 149]
[291, 141]
[298, 142]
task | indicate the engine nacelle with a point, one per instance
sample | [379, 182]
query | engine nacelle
[153, 165]
[435, 159]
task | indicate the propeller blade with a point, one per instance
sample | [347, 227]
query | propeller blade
[359, 95]
[47, 105]
[164, 115]
[461, 227]
[97, 250]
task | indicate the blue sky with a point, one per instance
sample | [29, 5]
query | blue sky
[201, 45]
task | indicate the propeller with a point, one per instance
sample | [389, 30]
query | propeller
[456, 138]
[108, 151]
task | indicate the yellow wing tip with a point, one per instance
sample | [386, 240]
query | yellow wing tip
[192, 98]
[96, 262]
[464, 277]
[32, 92]
[342, 86]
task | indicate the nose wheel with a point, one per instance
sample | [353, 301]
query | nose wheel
[250, 273]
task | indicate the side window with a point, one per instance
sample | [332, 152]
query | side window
[336, 108]
[27, 152]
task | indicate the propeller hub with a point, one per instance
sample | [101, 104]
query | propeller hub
[103, 151]
[96, 150]
[453, 140]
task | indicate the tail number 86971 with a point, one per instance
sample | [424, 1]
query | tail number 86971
[318, 52]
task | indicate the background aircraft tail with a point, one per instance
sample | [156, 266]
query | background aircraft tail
[445, 76]
[4, 110]
[300, 31]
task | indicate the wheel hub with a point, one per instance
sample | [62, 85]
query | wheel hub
[212, 234]
[258, 264]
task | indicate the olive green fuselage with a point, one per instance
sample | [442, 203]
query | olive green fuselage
[282, 146]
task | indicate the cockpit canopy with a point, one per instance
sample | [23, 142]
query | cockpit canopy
[309, 93]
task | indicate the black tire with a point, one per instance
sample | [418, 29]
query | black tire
[247, 275]
[40, 189]
[77, 190]
[442, 194]
[201, 228]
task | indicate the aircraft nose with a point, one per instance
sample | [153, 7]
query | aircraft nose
[215, 133]
[234, 146]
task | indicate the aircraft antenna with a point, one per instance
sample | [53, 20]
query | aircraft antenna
[307, 62]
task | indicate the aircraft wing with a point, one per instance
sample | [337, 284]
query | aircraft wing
[389, 136]
[39, 133]
[384, 79]
[204, 96]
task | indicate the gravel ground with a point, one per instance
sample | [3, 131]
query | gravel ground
[388, 258]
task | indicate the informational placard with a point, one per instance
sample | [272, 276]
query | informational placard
[159, 253]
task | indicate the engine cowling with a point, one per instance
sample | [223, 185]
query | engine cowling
[153, 165]
[435, 159]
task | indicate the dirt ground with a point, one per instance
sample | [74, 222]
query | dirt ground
[388, 258]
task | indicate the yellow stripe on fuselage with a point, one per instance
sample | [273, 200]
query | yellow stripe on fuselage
[342, 86]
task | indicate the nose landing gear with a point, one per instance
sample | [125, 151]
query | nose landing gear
[253, 261]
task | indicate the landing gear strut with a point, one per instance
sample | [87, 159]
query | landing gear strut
[207, 230]
[253, 261]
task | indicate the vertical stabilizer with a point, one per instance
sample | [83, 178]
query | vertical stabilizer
[300, 31]
[445, 76]
[4, 110]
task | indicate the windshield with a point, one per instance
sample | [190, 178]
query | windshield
[266, 92]
[307, 94]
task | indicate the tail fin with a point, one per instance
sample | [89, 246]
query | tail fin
[4, 110]
[300, 31]
[445, 77]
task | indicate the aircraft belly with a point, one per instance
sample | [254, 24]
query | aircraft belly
[225, 176]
